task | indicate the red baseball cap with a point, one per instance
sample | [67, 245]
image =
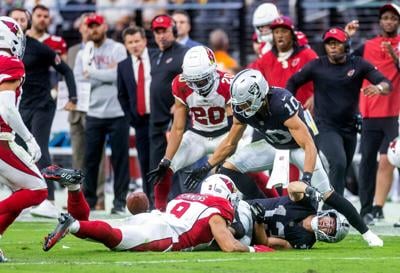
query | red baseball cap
[390, 6]
[282, 21]
[335, 33]
[162, 21]
[94, 19]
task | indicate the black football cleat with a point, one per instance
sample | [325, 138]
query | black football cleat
[63, 176]
[64, 222]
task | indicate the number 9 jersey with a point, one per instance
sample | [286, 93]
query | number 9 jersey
[208, 114]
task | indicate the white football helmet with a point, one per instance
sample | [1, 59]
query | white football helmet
[393, 152]
[200, 70]
[264, 15]
[248, 90]
[12, 36]
[221, 186]
[340, 224]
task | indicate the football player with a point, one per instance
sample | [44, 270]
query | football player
[279, 117]
[189, 221]
[17, 167]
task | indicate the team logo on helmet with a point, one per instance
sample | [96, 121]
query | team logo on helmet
[11, 26]
[210, 55]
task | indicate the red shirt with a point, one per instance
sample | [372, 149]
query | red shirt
[278, 73]
[11, 69]
[56, 43]
[389, 105]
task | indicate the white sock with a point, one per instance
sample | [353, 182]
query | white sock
[74, 187]
[74, 228]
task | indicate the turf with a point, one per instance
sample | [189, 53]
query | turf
[22, 245]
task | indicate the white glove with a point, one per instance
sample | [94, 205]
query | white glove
[88, 56]
[33, 149]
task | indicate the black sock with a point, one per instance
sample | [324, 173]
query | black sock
[343, 206]
[243, 182]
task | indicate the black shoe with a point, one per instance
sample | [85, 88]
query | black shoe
[118, 211]
[64, 222]
[397, 224]
[377, 213]
[369, 219]
[63, 176]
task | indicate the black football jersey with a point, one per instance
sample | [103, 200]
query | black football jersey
[282, 106]
[283, 219]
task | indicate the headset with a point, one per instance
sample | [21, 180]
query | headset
[174, 29]
[346, 43]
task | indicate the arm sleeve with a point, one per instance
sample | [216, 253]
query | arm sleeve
[299, 78]
[65, 70]
[359, 51]
[11, 116]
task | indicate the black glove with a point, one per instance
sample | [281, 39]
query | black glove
[258, 212]
[196, 176]
[313, 193]
[306, 178]
[154, 176]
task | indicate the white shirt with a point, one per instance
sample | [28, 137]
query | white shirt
[147, 77]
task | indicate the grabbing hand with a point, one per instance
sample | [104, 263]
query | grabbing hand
[313, 193]
[154, 176]
[196, 176]
[33, 149]
[258, 212]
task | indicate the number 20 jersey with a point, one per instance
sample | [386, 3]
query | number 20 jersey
[208, 114]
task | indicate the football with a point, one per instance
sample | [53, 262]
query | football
[137, 202]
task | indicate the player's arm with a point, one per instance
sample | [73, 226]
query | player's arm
[229, 143]
[302, 136]
[299, 78]
[278, 243]
[177, 130]
[224, 237]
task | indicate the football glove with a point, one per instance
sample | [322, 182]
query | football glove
[260, 248]
[258, 212]
[313, 193]
[33, 149]
[196, 176]
[154, 176]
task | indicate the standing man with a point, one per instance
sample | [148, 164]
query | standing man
[380, 115]
[337, 79]
[97, 64]
[279, 117]
[37, 107]
[166, 63]
[133, 78]
[183, 27]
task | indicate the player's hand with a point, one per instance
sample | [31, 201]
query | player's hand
[196, 176]
[258, 212]
[154, 176]
[313, 193]
[33, 149]
[260, 248]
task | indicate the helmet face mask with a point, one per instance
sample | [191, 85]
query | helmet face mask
[200, 70]
[393, 152]
[330, 226]
[248, 90]
[12, 37]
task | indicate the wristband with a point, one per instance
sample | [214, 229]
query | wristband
[251, 249]
[306, 178]
[380, 87]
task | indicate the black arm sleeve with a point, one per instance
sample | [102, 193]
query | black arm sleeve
[66, 71]
[359, 51]
[299, 78]
[123, 96]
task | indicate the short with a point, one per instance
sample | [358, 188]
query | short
[259, 156]
[17, 170]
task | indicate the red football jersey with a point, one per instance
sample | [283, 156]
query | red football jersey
[207, 113]
[11, 69]
[56, 43]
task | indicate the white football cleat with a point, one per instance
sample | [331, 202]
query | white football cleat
[46, 209]
[372, 239]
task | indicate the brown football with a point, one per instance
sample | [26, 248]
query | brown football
[137, 202]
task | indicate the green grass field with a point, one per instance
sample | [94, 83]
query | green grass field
[22, 246]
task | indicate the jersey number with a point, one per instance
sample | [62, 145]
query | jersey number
[179, 209]
[292, 106]
[212, 115]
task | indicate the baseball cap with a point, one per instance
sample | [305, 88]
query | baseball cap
[335, 33]
[94, 19]
[390, 6]
[162, 21]
[282, 21]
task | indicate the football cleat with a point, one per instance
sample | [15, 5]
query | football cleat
[3, 258]
[372, 239]
[63, 176]
[64, 222]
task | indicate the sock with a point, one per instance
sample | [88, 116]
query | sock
[22, 199]
[101, 232]
[161, 191]
[74, 187]
[77, 205]
[343, 206]
[6, 220]
[261, 181]
[75, 226]
[294, 173]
